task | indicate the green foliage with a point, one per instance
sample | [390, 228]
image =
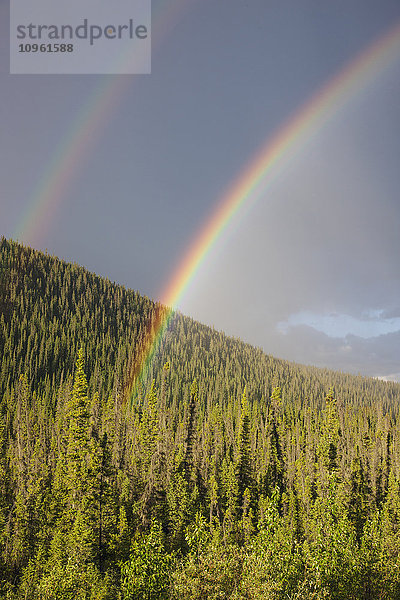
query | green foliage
[390, 543]
[191, 488]
[146, 575]
[243, 464]
[331, 551]
[273, 567]
[72, 582]
[212, 572]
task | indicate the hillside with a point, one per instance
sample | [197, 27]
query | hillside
[226, 474]
[49, 308]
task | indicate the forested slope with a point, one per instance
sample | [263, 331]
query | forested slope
[226, 474]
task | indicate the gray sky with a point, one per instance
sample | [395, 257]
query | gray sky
[311, 271]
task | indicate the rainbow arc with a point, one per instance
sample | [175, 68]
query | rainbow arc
[249, 187]
[253, 182]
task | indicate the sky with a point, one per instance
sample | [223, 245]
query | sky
[310, 271]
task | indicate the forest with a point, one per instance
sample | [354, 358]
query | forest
[217, 472]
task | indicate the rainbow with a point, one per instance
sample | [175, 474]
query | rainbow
[251, 185]
[253, 181]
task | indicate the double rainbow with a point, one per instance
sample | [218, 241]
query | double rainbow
[251, 185]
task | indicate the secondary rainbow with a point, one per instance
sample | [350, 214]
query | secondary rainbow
[84, 131]
[253, 181]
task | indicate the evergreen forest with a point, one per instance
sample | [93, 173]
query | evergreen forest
[218, 472]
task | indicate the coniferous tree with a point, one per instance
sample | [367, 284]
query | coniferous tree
[359, 495]
[275, 473]
[297, 498]
[243, 464]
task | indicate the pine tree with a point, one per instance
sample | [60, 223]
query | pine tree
[86, 472]
[275, 472]
[328, 445]
[359, 496]
[243, 463]
[149, 430]
[152, 461]
[391, 537]
[190, 429]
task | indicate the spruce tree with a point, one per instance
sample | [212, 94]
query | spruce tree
[275, 472]
[243, 463]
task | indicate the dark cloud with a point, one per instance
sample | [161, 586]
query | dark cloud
[377, 357]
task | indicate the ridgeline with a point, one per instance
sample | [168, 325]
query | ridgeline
[224, 472]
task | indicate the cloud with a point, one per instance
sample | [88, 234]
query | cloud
[312, 274]
[371, 324]
[394, 377]
[375, 356]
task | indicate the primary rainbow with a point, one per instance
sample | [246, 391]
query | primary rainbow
[251, 184]
[255, 178]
